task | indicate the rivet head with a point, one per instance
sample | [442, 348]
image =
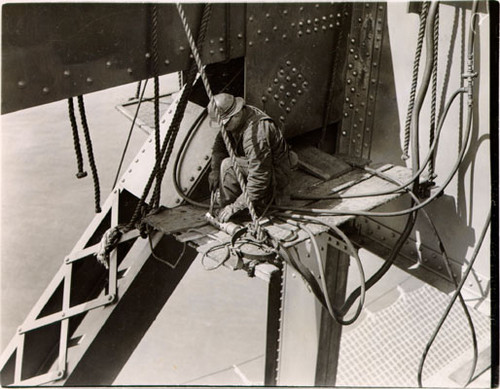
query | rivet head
[282, 87]
[66, 73]
[282, 118]
[167, 62]
[250, 43]
[275, 28]
[259, 32]
[147, 55]
[21, 84]
[129, 70]
[240, 35]
[264, 99]
[276, 80]
[89, 80]
[221, 39]
[212, 52]
[346, 114]
[207, 157]
[269, 90]
[181, 48]
[250, 19]
[276, 97]
[45, 90]
[268, 15]
[177, 201]
[299, 91]
[284, 36]
[293, 101]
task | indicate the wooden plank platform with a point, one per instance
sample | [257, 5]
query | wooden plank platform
[187, 223]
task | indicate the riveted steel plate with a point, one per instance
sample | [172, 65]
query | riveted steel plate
[52, 51]
[361, 82]
[289, 59]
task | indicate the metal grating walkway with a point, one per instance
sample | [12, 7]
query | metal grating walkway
[385, 349]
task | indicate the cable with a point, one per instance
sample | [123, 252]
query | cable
[329, 212]
[130, 131]
[454, 297]
[414, 176]
[337, 314]
[414, 127]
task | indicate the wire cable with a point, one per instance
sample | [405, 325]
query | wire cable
[130, 131]
[454, 297]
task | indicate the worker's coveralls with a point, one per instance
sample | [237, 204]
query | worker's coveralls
[263, 156]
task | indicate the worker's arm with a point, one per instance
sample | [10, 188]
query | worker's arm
[219, 152]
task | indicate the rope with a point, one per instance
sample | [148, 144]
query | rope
[414, 80]
[172, 132]
[76, 140]
[154, 49]
[191, 76]
[90, 153]
[432, 129]
[234, 163]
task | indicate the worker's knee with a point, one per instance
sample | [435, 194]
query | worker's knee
[225, 166]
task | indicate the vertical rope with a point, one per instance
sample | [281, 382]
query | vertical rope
[171, 135]
[207, 11]
[414, 80]
[90, 153]
[76, 140]
[154, 49]
[234, 163]
[432, 129]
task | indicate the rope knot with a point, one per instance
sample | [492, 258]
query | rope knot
[109, 241]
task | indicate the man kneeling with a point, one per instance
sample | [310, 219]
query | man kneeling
[261, 153]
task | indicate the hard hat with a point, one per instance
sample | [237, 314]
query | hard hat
[227, 105]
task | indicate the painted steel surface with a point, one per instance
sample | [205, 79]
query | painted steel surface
[57, 50]
[289, 58]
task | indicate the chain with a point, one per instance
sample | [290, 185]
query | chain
[225, 137]
[416, 62]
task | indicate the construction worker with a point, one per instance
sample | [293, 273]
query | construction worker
[261, 153]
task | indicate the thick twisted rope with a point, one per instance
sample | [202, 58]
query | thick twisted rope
[432, 129]
[76, 139]
[154, 49]
[236, 167]
[90, 153]
[172, 132]
[414, 80]
[191, 76]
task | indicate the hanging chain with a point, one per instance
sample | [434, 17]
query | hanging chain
[236, 167]
[416, 63]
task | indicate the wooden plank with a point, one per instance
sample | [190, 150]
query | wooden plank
[319, 163]
[178, 219]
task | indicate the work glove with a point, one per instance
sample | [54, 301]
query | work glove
[228, 211]
[213, 181]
